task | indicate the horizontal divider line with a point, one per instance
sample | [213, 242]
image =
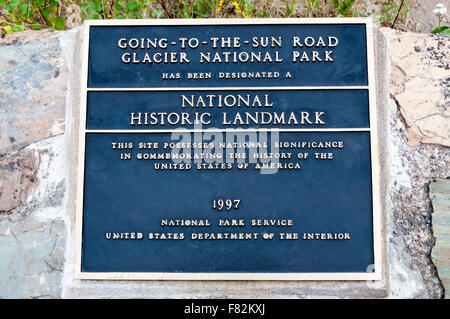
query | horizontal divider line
[230, 130]
[246, 88]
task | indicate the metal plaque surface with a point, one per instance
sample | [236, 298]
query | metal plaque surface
[237, 149]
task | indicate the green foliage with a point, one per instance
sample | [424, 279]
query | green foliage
[290, 8]
[311, 5]
[101, 9]
[441, 30]
[147, 9]
[343, 7]
[197, 9]
[440, 10]
[392, 11]
[18, 15]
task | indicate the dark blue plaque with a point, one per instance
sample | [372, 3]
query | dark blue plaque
[107, 69]
[229, 151]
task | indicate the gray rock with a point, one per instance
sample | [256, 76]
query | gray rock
[419, 85]
[32, 255]
[33, 78]
[440, 197]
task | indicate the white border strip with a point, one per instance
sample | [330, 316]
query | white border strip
[81, 153]
[137, 131]
[247, 21]
[229, 88]
[376, 198]
[228, 276]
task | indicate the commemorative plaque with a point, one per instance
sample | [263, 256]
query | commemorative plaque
[228, 150]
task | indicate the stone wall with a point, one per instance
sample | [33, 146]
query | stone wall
[39, 77]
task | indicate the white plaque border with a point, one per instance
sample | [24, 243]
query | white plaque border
[377, 273]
